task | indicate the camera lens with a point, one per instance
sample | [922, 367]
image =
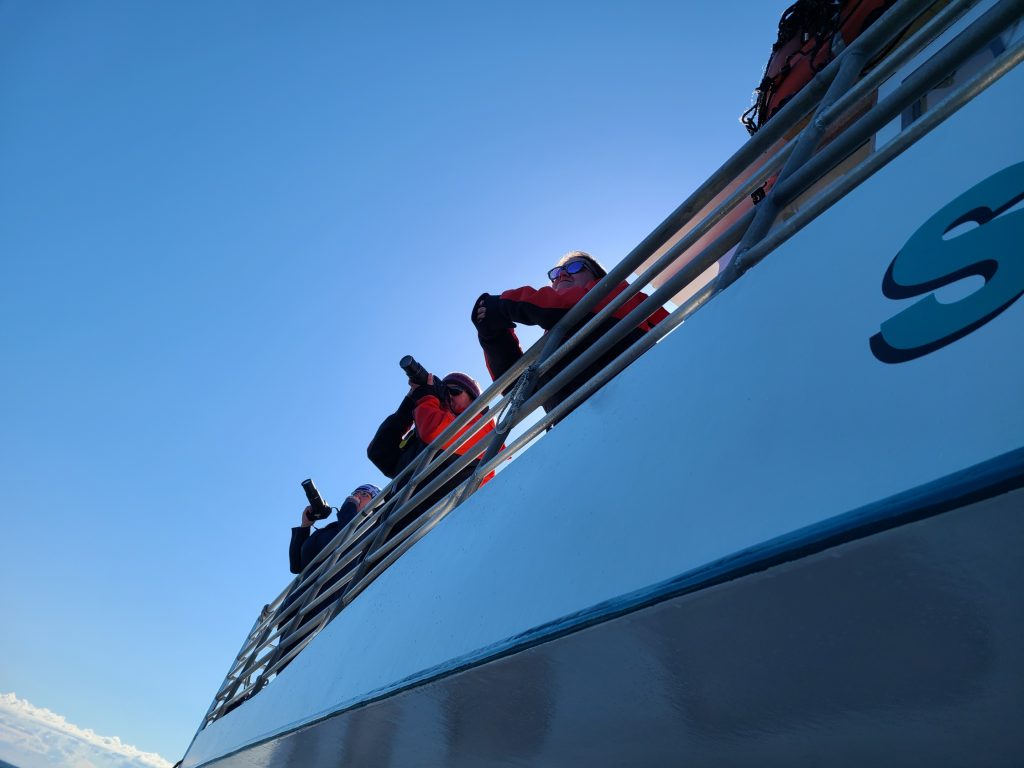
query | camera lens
[417, 373]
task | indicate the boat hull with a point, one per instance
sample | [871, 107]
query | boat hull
[847, 644]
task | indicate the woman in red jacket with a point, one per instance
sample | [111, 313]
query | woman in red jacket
[424, 413]
[432, 416]
[577, 272]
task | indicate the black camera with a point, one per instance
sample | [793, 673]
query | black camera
[318, 508]
[417, 373]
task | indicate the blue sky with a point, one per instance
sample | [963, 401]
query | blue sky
[222, 223]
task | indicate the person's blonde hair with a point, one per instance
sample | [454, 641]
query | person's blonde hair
[591, 262]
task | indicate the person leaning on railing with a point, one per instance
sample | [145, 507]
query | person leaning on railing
[577, 272]
[307, 544]
[424, 413]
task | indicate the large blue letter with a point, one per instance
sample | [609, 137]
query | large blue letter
[994, 249]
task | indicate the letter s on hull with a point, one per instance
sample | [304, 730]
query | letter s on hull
[994, 249]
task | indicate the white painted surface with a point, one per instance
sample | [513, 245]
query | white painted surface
[763, 413]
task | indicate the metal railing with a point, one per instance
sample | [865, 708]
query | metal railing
[371, 543]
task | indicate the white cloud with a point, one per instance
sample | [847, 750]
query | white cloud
[32, 737]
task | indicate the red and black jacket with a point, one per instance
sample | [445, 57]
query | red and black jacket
[422, 417]
[545, 307]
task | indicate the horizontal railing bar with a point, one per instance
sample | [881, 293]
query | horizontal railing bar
[238, 698]
[340, 537]
[301, 630]
[812, 210]
[712, 253]
[448, 451]
[262, 626]
[300, 584]
[368, 523]
[279, 630]
[978, 34]
[898, 57]
[952, 102]
[257, 661]
[315, 606]
[259, 664]
[346, 555]
[438, 512]
[302, 642]
[475, 408]
[289, 611]
[873, 39]
[742, 158]
[238, 676]
[345, 559]
[349, 535]
[239, 670]
[435, 485]
[852, 62]
[403, 534]
[713, 217]
[915, 85]
[687, 274]
[241, 694]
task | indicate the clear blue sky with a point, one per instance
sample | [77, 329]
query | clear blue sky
[222, 223]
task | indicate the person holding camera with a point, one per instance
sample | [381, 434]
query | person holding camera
[577, 272]
[425, 412]
[307, 542]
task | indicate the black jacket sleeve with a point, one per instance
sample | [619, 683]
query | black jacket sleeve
[496, 334]
[315, 543]
[299, 536]
[501, 350]
[384, 449]
[536, 306]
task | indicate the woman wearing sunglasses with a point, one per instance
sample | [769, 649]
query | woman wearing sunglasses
[576, 273]
[424, 413]
[437, 406]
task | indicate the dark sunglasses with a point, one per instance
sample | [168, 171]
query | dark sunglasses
[572, 268]
[454, 391]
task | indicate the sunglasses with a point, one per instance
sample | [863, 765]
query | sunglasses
[572, 268]
[454, 391]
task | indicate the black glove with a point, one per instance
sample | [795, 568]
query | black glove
[425, 390]
[494, 318]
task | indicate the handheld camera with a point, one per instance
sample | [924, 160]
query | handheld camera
[318, 508]
[417, 373]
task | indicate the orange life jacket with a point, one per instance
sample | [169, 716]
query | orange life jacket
[811, 34]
